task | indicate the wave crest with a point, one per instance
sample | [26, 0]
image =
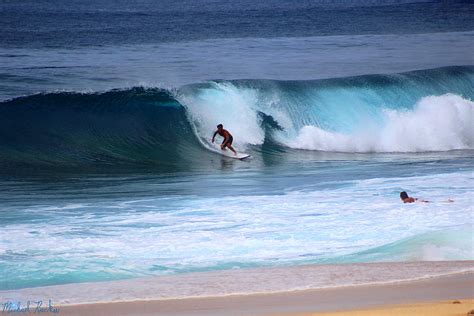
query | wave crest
[437, 123]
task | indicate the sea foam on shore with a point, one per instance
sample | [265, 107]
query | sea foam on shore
[239, 282]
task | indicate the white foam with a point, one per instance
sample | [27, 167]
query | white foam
[240, 282]
[225, 104]
[156, 236]
[437, 123]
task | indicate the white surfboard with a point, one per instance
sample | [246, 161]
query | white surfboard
[230, 154]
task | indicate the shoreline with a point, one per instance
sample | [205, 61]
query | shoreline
[307, 302]
[248, 281]
[253, 287]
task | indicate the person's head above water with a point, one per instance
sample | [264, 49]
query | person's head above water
[220, 126]
[408, 199]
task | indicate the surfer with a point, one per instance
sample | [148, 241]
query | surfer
[408, 199]
[228, 139]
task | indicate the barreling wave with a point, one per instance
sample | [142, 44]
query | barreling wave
[429, 110]
[135, 126]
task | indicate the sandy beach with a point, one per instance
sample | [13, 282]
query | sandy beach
[405, 298]
[391, 288]
[433, 309]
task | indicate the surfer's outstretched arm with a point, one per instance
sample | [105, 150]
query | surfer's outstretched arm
[214, 136]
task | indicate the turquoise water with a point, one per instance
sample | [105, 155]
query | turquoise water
[301, 208]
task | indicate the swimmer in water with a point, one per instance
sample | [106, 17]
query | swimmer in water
[408, 199]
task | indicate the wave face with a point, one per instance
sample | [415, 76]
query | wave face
[144, 126]
[428, 110]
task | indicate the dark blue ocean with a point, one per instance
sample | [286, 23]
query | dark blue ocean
[107, 109]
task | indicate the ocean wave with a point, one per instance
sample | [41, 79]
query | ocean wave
[438, 245]
[429, 110]
[436, 123]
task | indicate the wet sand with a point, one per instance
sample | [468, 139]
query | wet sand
[359, 297]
